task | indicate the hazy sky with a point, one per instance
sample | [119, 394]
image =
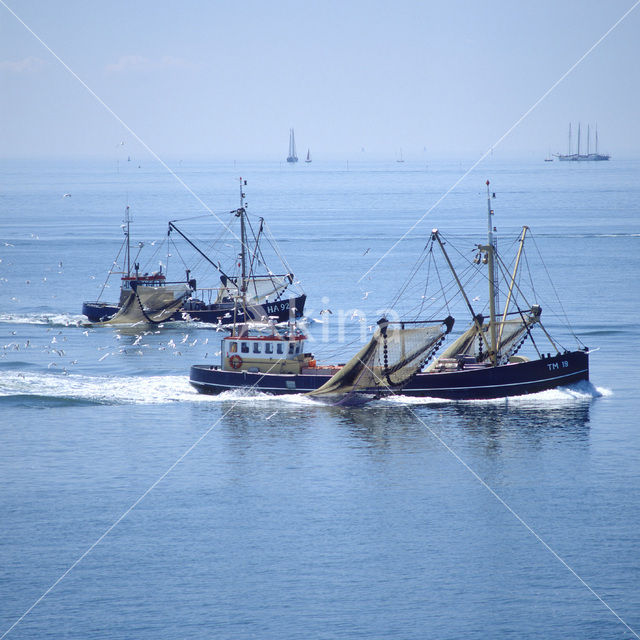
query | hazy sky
[226, 79]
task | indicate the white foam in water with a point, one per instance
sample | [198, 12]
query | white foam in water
[50, 319]
[579, 392]
[126, 390]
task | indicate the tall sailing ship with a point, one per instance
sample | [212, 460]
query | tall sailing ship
[583, 157]
[292, 157]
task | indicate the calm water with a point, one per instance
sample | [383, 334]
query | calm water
[289, 519]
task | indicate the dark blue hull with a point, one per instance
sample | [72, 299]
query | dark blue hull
[473, 384]
[283, 310]
[99, 311]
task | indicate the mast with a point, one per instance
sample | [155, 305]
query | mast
[513, 281]
[477, 319]
[588, 137]
[596, 138]
[243, 244]
[292, 157]
[491, 265]
[126, 233]
[569, 152]
[578, 139]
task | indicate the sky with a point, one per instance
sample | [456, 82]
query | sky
[223, 79]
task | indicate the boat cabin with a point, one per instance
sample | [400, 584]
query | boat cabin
[267, 354]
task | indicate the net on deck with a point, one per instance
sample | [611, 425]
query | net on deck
[391, 358]
[511, 332]
[475, 341]
[259, 288]
[150, 304]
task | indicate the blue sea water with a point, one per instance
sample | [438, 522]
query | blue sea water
[132, 507]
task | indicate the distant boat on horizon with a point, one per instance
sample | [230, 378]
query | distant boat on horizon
[582, 157]
[308, 159]
[292, 157]
[400, 159]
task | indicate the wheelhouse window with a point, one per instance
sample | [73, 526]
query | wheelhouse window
[256, 347]
[233, 347]
[280, 349]
[244, 347]
[268, 347]
[292, 348]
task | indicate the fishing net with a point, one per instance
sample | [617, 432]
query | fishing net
[150, 304]
[395, 353]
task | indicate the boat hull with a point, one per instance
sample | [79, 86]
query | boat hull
[515, 379]
[473, 384]
[99, 311]
[282, 310]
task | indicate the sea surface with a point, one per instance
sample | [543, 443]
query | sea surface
[132, 507]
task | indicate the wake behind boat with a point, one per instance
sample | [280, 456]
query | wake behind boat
[482, 363]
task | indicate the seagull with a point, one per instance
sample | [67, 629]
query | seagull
[66, 195]
[367, 251]
[366, 295]
[323, 311]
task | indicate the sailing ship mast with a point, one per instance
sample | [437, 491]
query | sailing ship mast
[292, 157]
[578, 152]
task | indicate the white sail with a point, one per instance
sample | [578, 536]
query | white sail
[292, 157]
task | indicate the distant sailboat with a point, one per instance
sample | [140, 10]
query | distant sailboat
[308, 156]
[583, 157]
[292, 157]
[400, 159]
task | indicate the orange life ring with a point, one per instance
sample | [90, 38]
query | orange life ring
[235, 361]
